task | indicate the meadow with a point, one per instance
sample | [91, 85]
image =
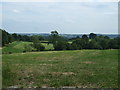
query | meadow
[18, 47]
[70, 68]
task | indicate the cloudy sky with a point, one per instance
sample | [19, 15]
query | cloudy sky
[65, 17]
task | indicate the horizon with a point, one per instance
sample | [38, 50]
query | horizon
[59, 33]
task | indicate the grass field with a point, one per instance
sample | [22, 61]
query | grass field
[77, 68]
[18, 47]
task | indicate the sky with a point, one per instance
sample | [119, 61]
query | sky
[65, 17]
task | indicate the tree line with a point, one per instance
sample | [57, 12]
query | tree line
[85, 42]
[61, 43]
[9, 38]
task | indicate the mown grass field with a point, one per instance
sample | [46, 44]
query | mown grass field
[18, 47]
[76, 68]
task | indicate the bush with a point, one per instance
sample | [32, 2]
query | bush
[80, 43]
[24, 51]
[60, 45]
[39, 47]
[10, 52]
[94, 45]
[74, 46]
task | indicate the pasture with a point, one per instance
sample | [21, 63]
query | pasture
[73, 68]
[18, 47]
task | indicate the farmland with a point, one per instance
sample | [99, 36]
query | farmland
[68, 68]
[18, 47]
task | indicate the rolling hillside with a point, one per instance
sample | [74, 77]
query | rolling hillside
[76, 68]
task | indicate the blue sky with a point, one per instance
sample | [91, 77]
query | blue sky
[65, 17]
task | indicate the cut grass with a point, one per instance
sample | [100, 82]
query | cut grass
[18, 47]
[48, 46]
[15, 47]
[77, 68]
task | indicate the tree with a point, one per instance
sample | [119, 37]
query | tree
[54, 33]
[117, 42]
[0, 38]
[94, 45]
[112, 44]
[92, 36]
[11, 39]
[36, 43]
[77, 43]
[39, 47]
[15, 36]
[103, 43]
[74, 46]
[54, 37]
[84, 36]
[61, 45]
[81, 43]
[41, 38]
[5, 37]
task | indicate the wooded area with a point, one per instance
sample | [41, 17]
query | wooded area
[61, 43]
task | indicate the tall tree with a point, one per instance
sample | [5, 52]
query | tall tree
[84, 36]
[92, 36]
[37, 44]
[54, 37]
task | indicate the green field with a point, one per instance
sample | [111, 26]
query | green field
[18, 47]
[73, 68]
[77, 68]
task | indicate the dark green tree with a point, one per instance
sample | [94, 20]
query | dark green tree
[15, 36]
[94, 45]
[5, 38]
[54, 37]
[60, 45]
[92, 36]
[84, 36]
[36, 43]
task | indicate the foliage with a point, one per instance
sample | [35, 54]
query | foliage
[81, 43]
[54, 37]
[37, 44]
[84, 36]
[61, 45]
[94, 45]
[92, 35]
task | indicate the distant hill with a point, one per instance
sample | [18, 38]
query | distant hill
[68, 35]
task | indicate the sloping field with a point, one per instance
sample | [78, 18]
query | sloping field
[18, 47]
[79, 68]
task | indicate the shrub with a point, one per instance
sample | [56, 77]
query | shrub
[39, 47]
[10, 52]
[94, 45]
[74, 46]
[24, 51]
[60, 45]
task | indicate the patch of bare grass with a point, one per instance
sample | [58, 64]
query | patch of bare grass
[63, 73]
[88, 62]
